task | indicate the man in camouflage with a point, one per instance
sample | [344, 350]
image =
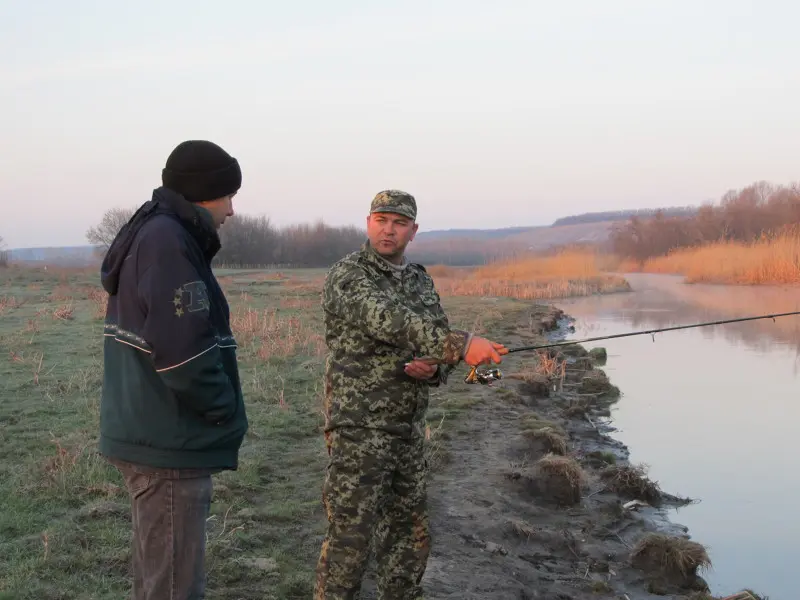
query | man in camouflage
[389, 340]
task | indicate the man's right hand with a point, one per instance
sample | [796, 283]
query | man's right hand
[482, 351]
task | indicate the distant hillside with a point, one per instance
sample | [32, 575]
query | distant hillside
[458, 249]
[624, 215]
[63, 256]
[474, 234]
[562, 235]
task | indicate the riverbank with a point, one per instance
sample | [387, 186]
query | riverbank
[534, 498]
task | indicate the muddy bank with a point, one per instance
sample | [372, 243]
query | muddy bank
[534, 499]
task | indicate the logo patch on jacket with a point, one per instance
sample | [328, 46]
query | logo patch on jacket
[191, 297]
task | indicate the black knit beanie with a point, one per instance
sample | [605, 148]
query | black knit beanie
[200, 170]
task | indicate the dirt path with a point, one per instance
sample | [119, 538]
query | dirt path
[503, 530]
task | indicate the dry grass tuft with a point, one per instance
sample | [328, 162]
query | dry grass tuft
[269, 335]
[542, 373]
[632, 482]
[521, 529]
[65, 312]
[743, 595]
[435, 452]
[553, 441]
[596, 382]
[549, 434]
[552, 366]
[576, 408]
[98, 298]
[9, 303]
[63, 460]
[676, 559]
[560, 479]
[61, 293]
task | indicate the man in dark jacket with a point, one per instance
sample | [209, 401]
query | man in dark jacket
[172, 412]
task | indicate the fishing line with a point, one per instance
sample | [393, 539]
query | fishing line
[490, 375]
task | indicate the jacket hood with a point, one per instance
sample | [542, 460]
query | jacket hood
[163, 202]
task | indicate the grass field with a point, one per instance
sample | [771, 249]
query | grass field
[774, 259]
[64, 527]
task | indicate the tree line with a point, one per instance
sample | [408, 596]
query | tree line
[741, 215]
[253, 241]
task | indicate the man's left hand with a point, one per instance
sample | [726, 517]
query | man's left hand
[419, 369]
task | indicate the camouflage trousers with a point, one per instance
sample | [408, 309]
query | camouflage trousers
[374, 493]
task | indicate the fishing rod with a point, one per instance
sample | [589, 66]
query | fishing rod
[490, 375]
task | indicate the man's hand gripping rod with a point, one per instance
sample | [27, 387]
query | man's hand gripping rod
[489, 376]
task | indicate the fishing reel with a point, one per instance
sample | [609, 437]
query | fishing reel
[483, 377]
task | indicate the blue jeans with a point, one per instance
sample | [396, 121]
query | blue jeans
[169, 510]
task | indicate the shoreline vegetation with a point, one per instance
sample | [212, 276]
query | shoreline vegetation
[567, 273]
[773, 259]
[64, 530]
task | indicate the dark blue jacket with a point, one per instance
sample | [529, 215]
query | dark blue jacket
[171, 391]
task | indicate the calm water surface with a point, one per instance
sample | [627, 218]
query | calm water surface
[714, 412]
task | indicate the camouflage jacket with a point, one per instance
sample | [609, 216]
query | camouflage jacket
[377, 318]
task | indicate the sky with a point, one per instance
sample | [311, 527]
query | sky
[492, 114]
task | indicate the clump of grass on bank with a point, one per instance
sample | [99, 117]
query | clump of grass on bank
[568, 273]
[549, 434]
[743, 595]
[542, 373]
[774, 259]
[675, 560]
[631, 481]
[559, 479]
[596, 382]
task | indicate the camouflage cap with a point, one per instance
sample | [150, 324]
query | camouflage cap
[395, 201]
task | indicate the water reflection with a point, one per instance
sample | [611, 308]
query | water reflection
[713, 411]
[663, 301]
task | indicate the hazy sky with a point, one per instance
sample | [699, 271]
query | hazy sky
[492, 113]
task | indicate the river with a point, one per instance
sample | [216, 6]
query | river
[714, 412]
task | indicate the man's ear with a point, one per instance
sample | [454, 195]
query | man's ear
[414, 231]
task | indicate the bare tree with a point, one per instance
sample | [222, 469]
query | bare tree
[247, 240]
[104, 233]
[742, 215]
[3, 253]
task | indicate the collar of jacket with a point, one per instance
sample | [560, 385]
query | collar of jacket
[196, 220]
[384, 265]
